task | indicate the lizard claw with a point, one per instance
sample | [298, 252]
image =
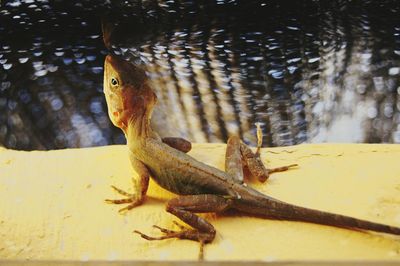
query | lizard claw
[164, 230]
[122, 192]
[282, 168]
[184, 233]
[168, 234]
[132, 199]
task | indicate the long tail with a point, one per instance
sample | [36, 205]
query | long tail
[275, 209]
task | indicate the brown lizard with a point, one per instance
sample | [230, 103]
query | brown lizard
[202, 188]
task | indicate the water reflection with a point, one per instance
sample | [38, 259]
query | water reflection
[48, 80]
[310, 71]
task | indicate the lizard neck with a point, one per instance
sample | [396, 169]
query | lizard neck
[138, 128]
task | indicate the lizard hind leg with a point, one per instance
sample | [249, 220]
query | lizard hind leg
[185, 207]
[233, 159]
[252, 160]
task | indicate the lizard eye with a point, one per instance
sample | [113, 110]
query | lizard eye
[114, 82]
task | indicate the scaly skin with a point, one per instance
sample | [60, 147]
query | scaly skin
[130, 102]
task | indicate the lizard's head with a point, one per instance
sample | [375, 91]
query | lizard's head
[127, 92]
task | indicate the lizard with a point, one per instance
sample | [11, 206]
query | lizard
[201, 188]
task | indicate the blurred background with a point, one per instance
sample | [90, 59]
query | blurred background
[310, 71]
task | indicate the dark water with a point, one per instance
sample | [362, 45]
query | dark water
[309, 71]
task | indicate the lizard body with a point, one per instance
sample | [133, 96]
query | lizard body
[130, 102]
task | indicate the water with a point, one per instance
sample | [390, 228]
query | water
[309, 71]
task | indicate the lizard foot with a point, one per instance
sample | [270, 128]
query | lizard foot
[183, 233]
[282, 168]
[132, 199]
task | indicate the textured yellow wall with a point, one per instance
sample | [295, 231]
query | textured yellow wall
[52, 206]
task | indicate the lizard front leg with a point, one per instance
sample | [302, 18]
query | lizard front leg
[140, 185]
[185, 207]
[178, 143]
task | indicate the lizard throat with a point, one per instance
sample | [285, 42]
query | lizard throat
[138, 126]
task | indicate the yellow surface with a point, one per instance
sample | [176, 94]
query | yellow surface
[52, 207]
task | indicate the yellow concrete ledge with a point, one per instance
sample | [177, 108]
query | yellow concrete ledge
[52, 207]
